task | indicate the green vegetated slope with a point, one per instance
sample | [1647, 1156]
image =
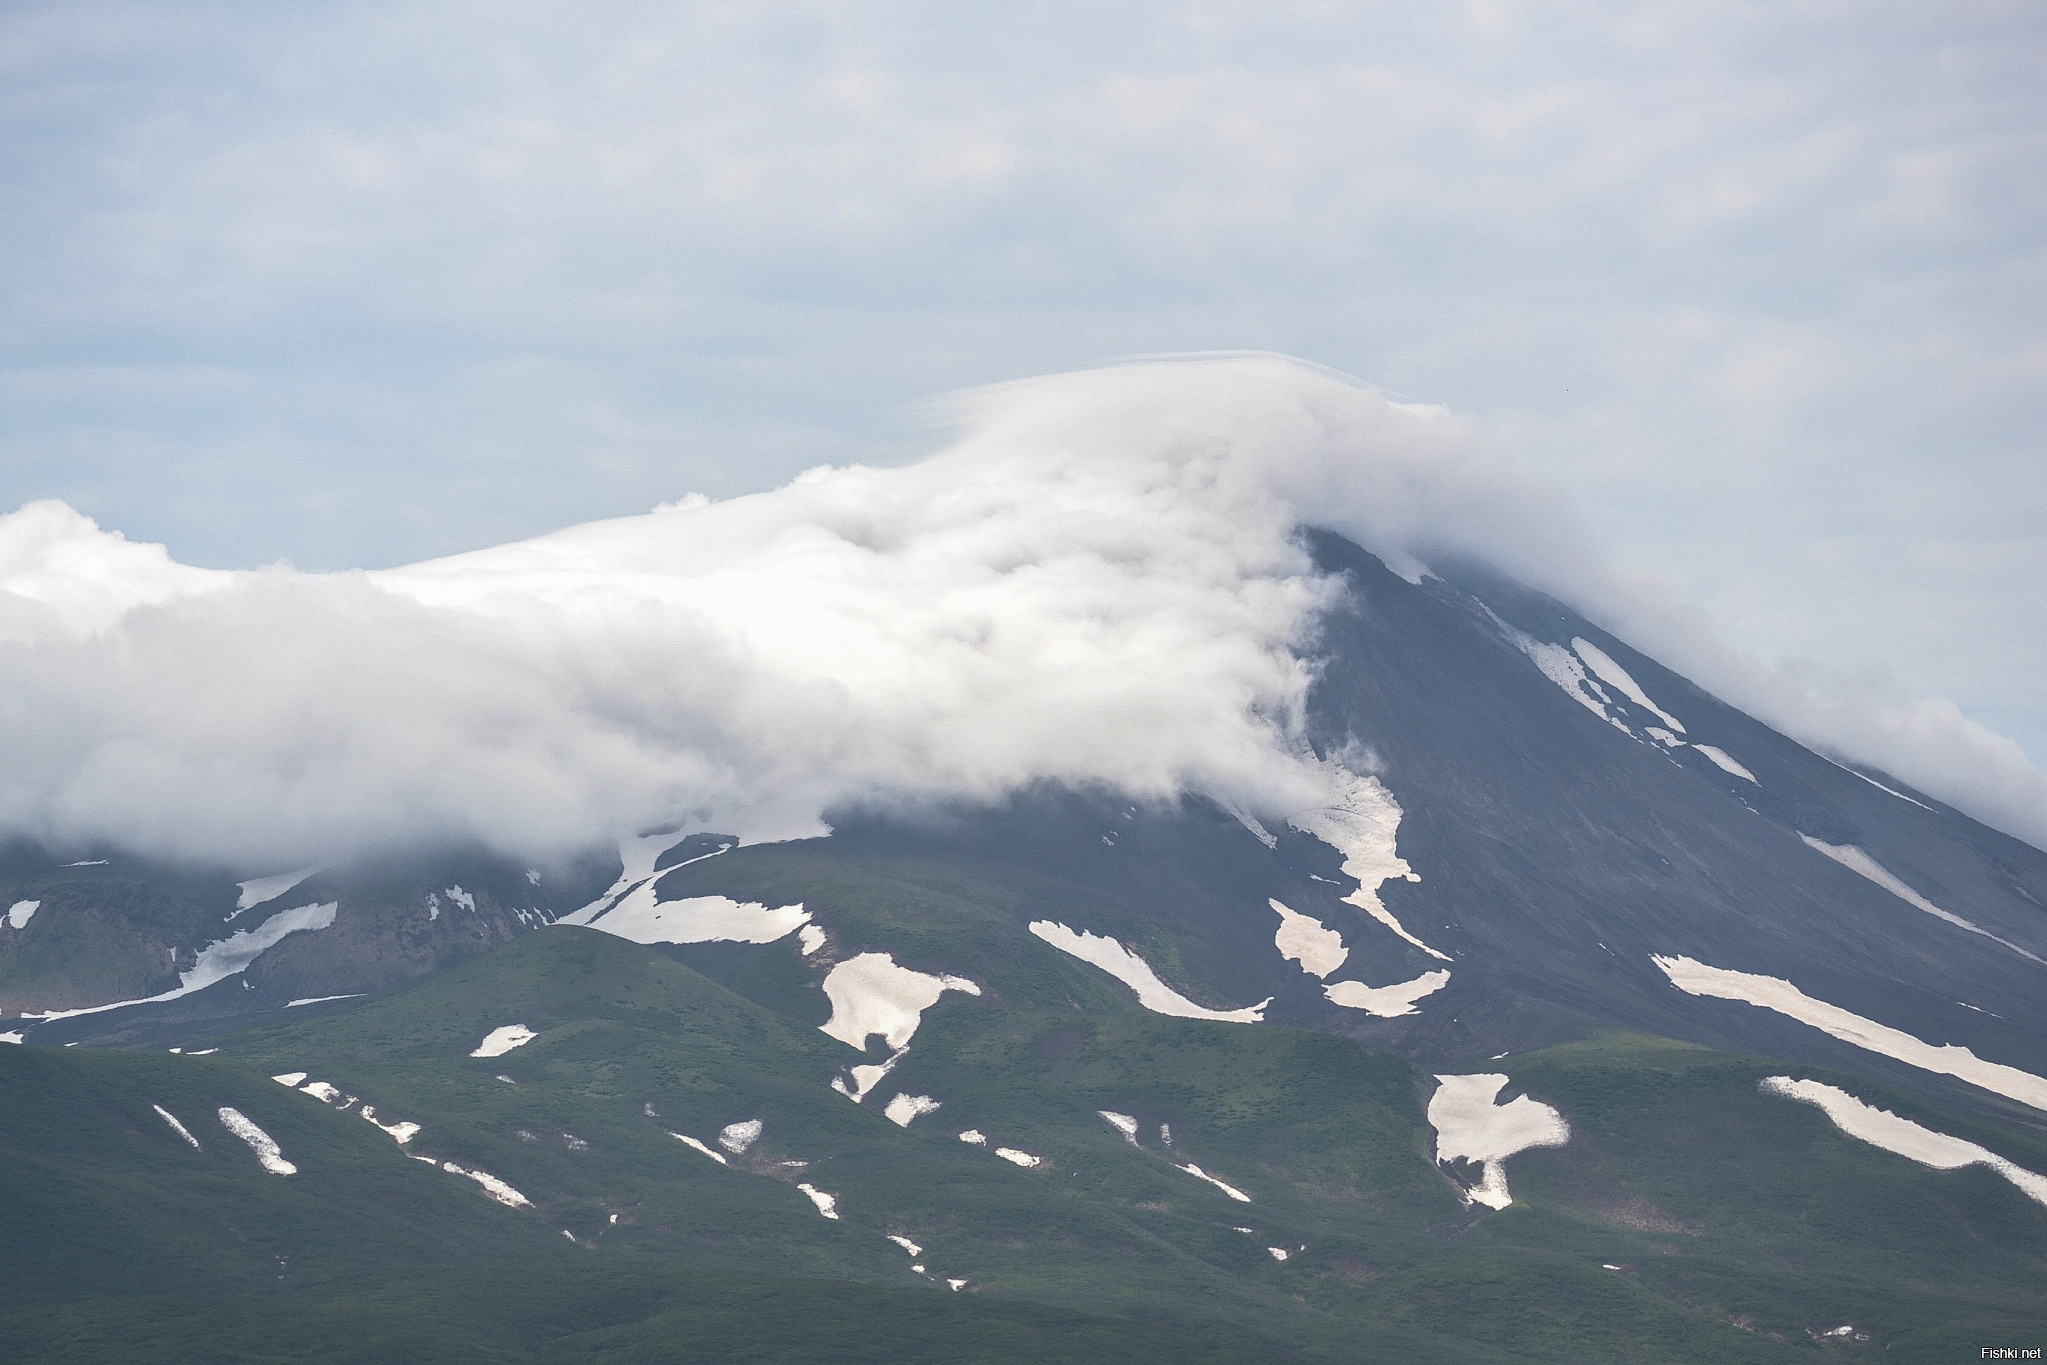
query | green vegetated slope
[1741, 1223]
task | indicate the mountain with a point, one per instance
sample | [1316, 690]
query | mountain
[1593, 1020]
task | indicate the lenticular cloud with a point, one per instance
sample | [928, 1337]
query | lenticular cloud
[1100, 582]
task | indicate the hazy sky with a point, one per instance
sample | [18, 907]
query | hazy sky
[1760, 285]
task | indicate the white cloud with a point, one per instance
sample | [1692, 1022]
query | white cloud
[1096, 584]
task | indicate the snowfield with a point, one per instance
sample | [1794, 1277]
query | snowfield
[21, 912]
[1388, 1002]
[904, 1107]
[1470, 1127]
[1775, 993]
[870, 994]
[1882, 1128]
[1307, 940]
[261, 1143]
[639, 918]
[1133, 971]
[503, 1039]
[1363, 827]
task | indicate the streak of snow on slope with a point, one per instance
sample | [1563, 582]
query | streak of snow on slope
[290, 1080]
[180, 1129]
[1725, 762]
[1564, 669]
[261, 1143]
[1469, 1126]
[906, 1244]
[1231, 1190]
[1859, 862]
[1882, 1128]
[1307, 940]
[639, 918]
[258, 890]
[871, 994]
[223, 958]
[827, 1204]
[21, 912]
[400, 1132]
[686, 1140]
[503, 1039]
[318, 1000]
[492, 1186]
[1618, 678]
[1388, 1002]
[737, 1137]
[1017, 1158]
[1775, 993]
[1882, 788]
[1133, 971]
[1364, 827]
[904, 1107]
[1122, 1123]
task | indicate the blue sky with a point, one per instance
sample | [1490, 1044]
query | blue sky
[1760, 285]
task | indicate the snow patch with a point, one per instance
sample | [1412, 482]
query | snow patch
[1231, 1190]
[319, 1000]
[1470, 1126]
[1122, 1123]
[261, 1143]
[1724, 762]
[400, 1132]
[906, 1244]
[503, 1039]
[737, 1137]
[686, 1140]
[858, 1081]
[1134, 972]
[1618, 678]
[827, 1204]
[640, 918]
[492, 1186]
[21, 912]
[974, 1137]
[1775, 993]
[1882, 1128]
[811, 938]
[1387, 1002]
[1856, 861]
[11, 1036]
[257, 890]
[290, 1079]
[903, 1107]
[180, 1129]
[1017, 1158]
[324, 1091]
[1364, 827]
[871, 994]
[1308, 941]
[1277, 1253]
[225, 957]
